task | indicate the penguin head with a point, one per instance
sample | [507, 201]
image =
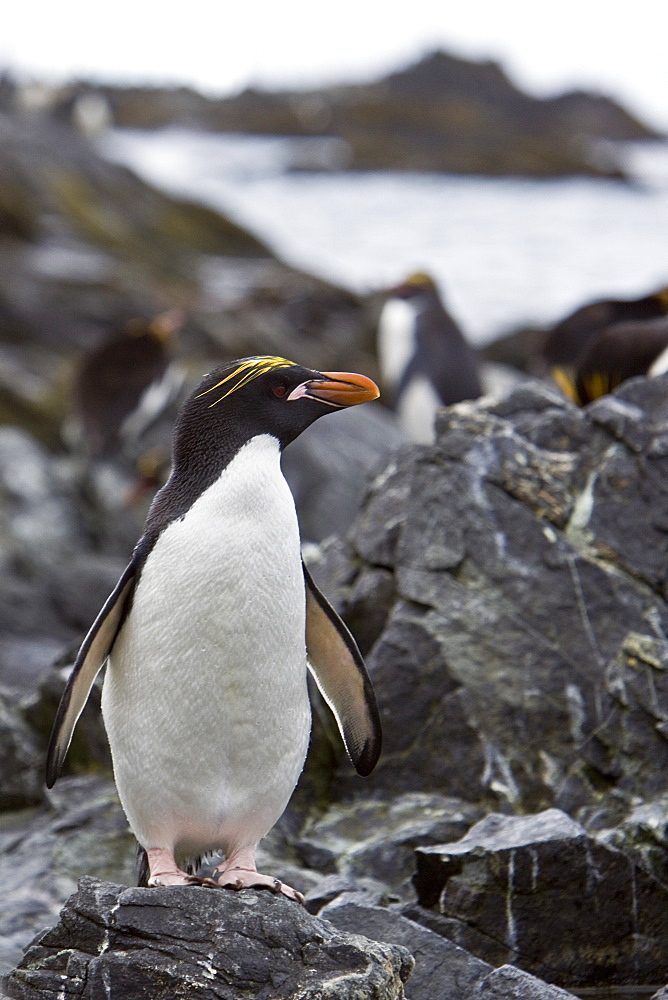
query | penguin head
[417, 286]
[264, 395]
[418, 292]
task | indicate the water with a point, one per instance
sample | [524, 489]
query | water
[505, 251]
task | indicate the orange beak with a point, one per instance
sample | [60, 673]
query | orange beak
[338, 389]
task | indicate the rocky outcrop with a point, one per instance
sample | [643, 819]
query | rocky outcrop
[508, 587]
[442, 113]
[538, 892]
[131, 943]
[518, 567]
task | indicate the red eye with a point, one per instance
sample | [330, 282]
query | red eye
[279, 390]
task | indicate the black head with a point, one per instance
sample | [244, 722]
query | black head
[236, 402]
[417, 286]
[260, 395]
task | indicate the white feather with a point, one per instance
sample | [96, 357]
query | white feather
[153, 401]
[205, 698]
[417, 409]
[660, 364]
[396, 339]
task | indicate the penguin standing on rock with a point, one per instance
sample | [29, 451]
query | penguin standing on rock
[211, 628]
[424, 358]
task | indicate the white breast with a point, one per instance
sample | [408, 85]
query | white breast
[396, 339]
[417, 409]
[151, 404]
[660, 364]
[205, 698]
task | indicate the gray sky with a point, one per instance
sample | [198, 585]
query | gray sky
[220, 47]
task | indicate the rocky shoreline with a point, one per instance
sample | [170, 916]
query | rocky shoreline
[515, 633]
[507, 585]
[443, 113]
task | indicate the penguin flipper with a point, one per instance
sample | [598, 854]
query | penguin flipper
[339, 671]
[90, 659]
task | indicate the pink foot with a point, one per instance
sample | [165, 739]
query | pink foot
[249, 878]
[163, 869]
[239, 872]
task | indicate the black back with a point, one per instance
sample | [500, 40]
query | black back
[619, 352]
[442, 354]
[570, 337]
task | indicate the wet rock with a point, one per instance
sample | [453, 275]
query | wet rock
[24, 658]
[329, 889]
[89, 749]
[510, 983]
[43, 851]
[641, 833]
[20, 757]
[377, 839]
[539, 892]
[222, 944]
[36, 515]
[521, 654]
[80, 586]
[442, 969]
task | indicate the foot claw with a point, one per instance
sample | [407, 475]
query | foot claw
[159, 882]
[250, 879]
[210, 883]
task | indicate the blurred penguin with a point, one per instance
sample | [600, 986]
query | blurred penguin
[617, 353]
[569, 338]
[124, 387]
[126, 382]
[424, 359]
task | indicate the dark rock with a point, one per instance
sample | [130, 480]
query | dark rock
[111, 941]
[20, 757]
[329, 889]
[43, 851]
[24, 659]
[519, 349]
[538, 892]
[377, 839]
[641, 833]
[510, 983]
[327, 469]
[37, 520]
[80, 586]
[597, 115]
[442, 969]
[516, 584]
[107, 248]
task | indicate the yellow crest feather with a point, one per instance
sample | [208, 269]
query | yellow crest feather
[245, 372]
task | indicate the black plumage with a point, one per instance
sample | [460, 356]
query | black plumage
[431, 351]
[569, 338]
[128, 371]
[617, 353]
